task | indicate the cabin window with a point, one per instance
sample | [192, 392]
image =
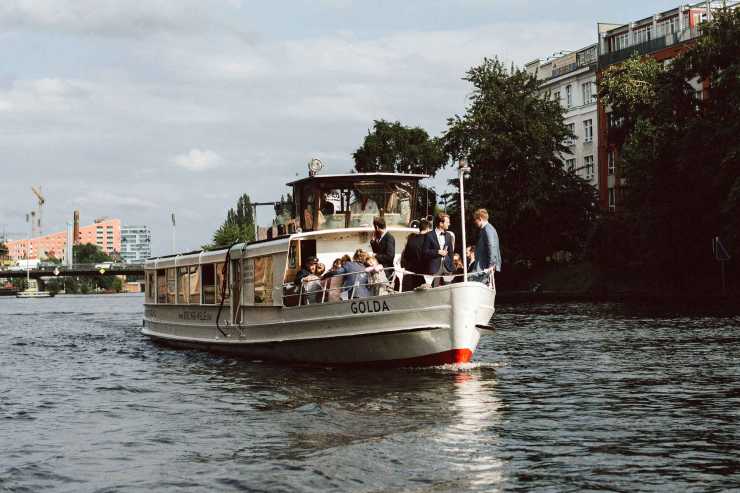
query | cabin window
[222, 277]
[194, 285]
[209, 284]
[183, 295]
[263, 280]
[161, 286]
[171, 286]
[150, 287]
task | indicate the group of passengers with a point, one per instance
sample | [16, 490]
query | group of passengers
[428, 261]
[360, 276]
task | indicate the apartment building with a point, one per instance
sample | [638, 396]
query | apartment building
[570, 78]
[105, 232]
[662, 36]
[136, 243]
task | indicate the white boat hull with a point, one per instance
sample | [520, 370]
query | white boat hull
[418, 328]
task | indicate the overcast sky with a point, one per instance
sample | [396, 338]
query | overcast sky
[137, 109]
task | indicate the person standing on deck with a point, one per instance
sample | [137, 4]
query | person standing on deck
[412, 258]
[487, 251]
[383, 244]
[438, 247]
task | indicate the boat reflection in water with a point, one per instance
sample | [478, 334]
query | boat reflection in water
[245, 300]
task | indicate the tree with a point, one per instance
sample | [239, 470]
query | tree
[238, 226]
[89, 253]
[680, 153]
[512, 137]
[394, 148]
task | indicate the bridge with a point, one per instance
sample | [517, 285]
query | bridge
[77, 270]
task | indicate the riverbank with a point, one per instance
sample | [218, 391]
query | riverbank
[582, 282]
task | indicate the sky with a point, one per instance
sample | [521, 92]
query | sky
[136, 110]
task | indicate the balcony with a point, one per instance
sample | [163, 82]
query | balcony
[648, 47]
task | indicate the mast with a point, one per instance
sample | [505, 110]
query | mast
[463, 169]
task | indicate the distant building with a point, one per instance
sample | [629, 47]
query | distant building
[136, 243]
[662, 36]
[570, 78]
[105, 233]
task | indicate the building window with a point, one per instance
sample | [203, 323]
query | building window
[610, 162]
[570, 164]
[643, 34]
[668, 26]
[569, 141]
[588, 131]
[568, 96]
[588, 163]
[587, 91]
[620, 41]
[556, 96]
[612, 201]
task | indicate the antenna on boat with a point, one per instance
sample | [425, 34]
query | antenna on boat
[463, 172]
[314, 166]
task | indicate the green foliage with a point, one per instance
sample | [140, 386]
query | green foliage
[3, 249]
[238, 226]
[512, 138]
[681, 154]
[394, 148]
[88, 253]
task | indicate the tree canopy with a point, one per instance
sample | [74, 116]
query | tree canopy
[238, 226]
[395, 148]
[512, 137]
[681, 152]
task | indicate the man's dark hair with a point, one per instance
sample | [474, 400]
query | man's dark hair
[440, 218]
[379, 222]
[424, 225]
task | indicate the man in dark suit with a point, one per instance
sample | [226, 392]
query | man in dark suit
[438, 248]
[383, 245]
[412, 258]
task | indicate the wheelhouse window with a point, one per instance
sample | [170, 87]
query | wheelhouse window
[345, 201]
[208, 279]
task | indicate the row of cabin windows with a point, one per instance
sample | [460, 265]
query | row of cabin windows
[193, 284]
[188, 285]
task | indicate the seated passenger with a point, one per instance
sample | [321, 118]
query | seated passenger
[355, 277]
[333, 283]
[378, 283]
[459, 273]
[309, 283]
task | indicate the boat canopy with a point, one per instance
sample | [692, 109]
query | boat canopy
[352, 200]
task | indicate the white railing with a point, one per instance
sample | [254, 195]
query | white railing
[318, 290]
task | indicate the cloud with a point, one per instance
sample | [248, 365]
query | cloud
[198, 160]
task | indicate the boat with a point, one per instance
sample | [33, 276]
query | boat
[243, 299]
[28, 293]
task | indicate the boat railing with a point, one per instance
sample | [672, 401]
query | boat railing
[314, 289]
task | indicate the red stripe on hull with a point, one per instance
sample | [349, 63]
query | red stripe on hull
[450, 357]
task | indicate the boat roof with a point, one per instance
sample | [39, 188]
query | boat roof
[263, 247]
[359, 177]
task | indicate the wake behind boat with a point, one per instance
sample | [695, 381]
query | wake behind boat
[245, 299]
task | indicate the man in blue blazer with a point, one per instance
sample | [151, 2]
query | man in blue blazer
[487, 252]
[439, 245]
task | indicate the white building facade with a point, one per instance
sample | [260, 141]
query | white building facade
[571, 79]
[136, 243]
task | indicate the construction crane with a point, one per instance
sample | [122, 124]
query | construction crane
[36, 225]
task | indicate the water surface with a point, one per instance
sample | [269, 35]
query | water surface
[566, 397]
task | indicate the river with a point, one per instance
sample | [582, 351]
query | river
[566, 397]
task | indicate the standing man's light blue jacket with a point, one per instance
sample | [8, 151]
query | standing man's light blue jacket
[487, 252]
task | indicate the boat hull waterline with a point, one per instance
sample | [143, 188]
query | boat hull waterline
[419, 328]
